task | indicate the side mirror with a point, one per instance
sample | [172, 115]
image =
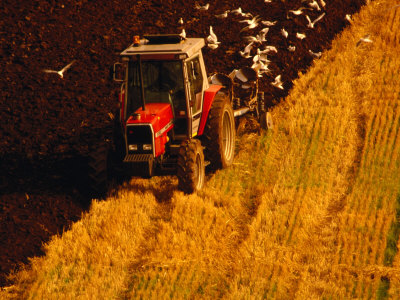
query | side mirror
[119, 72]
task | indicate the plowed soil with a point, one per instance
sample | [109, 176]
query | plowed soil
[48, 123]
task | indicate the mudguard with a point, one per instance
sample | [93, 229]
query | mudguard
[209, 95]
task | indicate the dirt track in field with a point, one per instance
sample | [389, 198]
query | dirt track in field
[48, 123]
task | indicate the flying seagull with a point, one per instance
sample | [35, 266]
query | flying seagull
[253, 23]
[296, 12]
[223, 15]
[300, 35]
[180, 21]
[364, 39]
[268, 23]
[311, 24]
[259, 38]
[284, 32]
[260, 57]
[199, 7]
[315, 54]
[277, 83]
[269, 49]
[239, 11]
[314, 4]
[246, 52]
[61, 72]
[260, 67]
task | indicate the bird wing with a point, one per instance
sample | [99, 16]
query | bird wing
[245, 21]
[50, 71]
[67, 66]
[319, 18]
[308, 19]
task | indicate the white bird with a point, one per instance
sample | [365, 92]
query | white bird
[269, 49]
[246, 52]
[322, 3]
[348, 18]
[260, 68]
[212, 38]
[267, 1]
[284, 32]
[300, 35]
[223, 15]
[252, 23]
[297, 12]
[199, 7]
[268, 23]
[261, 57]
[61, 72]
[260, 37]
[183, 34]
[311, 24]
[315, 54]
[364, 39]
[314, 4]
[180, 21]
[252, 39]
[292, 48]
[277, 83]
[239, 11]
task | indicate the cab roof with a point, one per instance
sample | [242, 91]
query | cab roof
[165, 44]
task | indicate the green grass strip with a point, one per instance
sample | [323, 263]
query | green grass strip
[390, 252]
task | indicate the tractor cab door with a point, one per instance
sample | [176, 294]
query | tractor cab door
[195, 83]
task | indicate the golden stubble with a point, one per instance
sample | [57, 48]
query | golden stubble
[303, 213]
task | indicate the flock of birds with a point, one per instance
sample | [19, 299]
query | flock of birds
[260, 60]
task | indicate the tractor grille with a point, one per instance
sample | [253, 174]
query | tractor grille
[138, 158]
[139, 135]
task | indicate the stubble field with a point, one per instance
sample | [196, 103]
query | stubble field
[314, 214]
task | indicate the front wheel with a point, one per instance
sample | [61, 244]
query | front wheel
[191, 168]
[98, 169]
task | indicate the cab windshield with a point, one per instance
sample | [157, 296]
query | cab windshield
[162, 83]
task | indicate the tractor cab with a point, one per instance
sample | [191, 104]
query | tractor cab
[164, 69]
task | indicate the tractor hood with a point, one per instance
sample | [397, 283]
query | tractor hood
[159, 115]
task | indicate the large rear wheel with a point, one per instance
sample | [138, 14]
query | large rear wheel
[191, 168]
[219, 133]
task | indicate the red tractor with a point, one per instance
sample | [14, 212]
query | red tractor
[173, 116]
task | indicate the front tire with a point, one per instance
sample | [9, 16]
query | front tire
[219, 133]
[191, 168]
[98, 171]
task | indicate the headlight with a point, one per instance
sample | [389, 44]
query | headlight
[132, 147]
[147, 147]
